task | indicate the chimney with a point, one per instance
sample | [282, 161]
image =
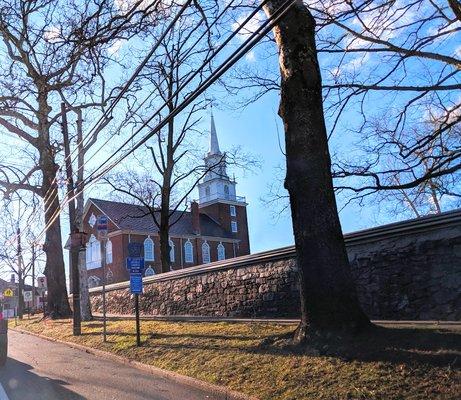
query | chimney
[13, 278]
[195, 217]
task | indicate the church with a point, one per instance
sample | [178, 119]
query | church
[214, 228]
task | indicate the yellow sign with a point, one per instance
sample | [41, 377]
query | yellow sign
[8, 293]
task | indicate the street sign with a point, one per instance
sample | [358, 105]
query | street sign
[41, 282]
[135, 265]
[134, 249]
[136, 283]
[102, 226]
[27, 295]
[8, 293]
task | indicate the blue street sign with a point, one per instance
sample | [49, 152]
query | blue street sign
[136, 283]
[135, 265]
[134, 249]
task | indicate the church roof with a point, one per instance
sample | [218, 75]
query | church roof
[133, 217]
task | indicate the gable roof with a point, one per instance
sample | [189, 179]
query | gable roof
[133, 217]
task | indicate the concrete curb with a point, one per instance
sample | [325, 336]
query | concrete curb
[173, 376]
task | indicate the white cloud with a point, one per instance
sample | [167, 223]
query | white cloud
[116, 46]
[53, 34]
[250, 56]
[250, 27]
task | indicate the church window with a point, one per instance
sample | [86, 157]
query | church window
[233, 211]
[207, 191]
[149, 272]
[226, 191]
[206, 258]
[188, 252]
[92, 220]
[109, 252]
[234, 226]
[149, 249]
[93, 253]
[221, 252]
[171, 244]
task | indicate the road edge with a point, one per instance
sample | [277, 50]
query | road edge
[174, 376]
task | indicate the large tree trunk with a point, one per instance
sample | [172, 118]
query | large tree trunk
[328, 297]
[57, 299]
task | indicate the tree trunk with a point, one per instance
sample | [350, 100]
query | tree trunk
[328, 298]
[57, 299]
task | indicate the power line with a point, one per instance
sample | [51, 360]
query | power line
[255, 37]
[101, 122]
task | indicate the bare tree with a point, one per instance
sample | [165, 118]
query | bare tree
[328, 298]
[19, 253]
[51, 49]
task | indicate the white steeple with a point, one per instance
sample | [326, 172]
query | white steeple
[216, 184]
[214, 144]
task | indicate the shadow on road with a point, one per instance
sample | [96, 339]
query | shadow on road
[21, 383]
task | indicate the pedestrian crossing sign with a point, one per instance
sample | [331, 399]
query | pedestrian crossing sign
[8, 293]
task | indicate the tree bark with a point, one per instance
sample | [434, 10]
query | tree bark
[328, 297]
[57, 299]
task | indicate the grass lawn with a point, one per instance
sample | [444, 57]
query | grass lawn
[254, 358]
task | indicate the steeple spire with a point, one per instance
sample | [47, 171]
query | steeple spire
[214, 145]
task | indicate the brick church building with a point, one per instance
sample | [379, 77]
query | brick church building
[214, 228]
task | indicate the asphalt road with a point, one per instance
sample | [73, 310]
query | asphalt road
[41, 370]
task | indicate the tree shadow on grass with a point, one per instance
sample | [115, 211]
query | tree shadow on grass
[435, 347]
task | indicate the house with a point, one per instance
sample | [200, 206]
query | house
[11, 303]
[214, 228]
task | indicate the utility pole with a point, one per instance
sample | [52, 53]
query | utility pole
[74, 229]
[20, 278]
[33, 277]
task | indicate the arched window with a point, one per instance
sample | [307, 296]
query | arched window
[149, 272]
[149, 249]
[108, 252]
[207, 191]
[226, 191]
[188, 252]
[221, 252]
[93, 253]
[109, 276]
[171, 244]
[206, 253]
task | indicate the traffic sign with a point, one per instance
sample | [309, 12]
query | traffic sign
[134, 249]
[8, 293]
[136, 283]
[135, 265]
[41, 282]
[27, 295]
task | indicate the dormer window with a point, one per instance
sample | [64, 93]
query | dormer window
[92, 220]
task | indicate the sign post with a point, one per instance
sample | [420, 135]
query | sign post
[102, 234]
[135, 264]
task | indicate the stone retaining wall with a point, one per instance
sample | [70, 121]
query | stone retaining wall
[409, 270]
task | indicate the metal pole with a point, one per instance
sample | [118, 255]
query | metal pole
[103, 260]
[33, 278]
[138, 329]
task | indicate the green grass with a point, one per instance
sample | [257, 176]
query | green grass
[254, 358]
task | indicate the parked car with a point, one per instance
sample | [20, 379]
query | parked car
[3, 339]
